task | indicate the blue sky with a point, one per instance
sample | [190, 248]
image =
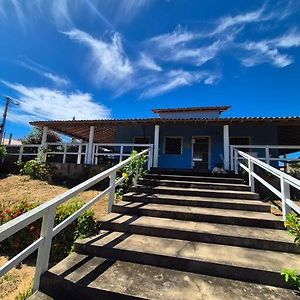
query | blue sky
[120, 58]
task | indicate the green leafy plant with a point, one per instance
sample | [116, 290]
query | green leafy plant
[291, 276]
[131, 172]
[3, 152]
[292, 223]
[25, 295]
[36, 170]
[62, 243]
[35, 137]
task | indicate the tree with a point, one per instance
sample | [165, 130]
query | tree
[35, 137]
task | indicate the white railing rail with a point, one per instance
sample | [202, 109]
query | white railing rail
[286, 181]
[101, 150]
[63, 150]
[267, 157]
[46, 211]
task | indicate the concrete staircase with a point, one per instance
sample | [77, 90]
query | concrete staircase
[180, 236]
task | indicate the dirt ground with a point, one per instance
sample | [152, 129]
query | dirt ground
[14, 189]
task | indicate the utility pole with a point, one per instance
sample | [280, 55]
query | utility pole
[2, 126]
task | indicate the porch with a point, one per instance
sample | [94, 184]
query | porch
[198, 144]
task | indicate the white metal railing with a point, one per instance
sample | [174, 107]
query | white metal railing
[286, 181]
[266, 149]
[118, 150]
[46, 211]
[63, 150]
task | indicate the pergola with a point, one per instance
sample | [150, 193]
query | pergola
[104, 131]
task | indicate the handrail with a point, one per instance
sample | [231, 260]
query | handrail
[47, 212]
[267, 158]
[286, 180]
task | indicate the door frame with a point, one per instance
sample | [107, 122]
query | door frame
[209, 149]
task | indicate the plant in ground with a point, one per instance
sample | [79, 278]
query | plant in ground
[36, 169]
[131, 172]
[292, 223]
[2, 152]
[62, 243]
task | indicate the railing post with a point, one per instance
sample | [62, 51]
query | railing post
[226, 146]
[149, 158]
[90, 148]
[79, 153]
[42, 261]
[236, 161]
[267, 155]
[285, 194]
[112, 185]
[65, 154]
[231, 158]
[121, 153]
[251, 178]
[156, 146]
[21, 153]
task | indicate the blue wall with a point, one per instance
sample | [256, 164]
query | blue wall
[260, 135]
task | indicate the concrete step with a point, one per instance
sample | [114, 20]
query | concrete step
[195, 192]
[39, 296]
[240, 204]
[191, 172]
[242, 236]
[192, 184]
[80, 277]
[244, 264]
[200, 214]
[194, 178]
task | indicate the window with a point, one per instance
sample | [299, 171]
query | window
[173, 145]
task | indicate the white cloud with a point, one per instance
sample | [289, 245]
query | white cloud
[108, 59]
[173, 39]
[241, 19]
[267, 51]
[44, 72]
[147, 62]
[197, 56]
[175, 79]
[44, 103]
[127, 10]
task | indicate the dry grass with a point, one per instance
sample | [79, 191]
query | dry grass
[16, 188]
[13, 190]
[15, 281]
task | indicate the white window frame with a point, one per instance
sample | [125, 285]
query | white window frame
[173, 137]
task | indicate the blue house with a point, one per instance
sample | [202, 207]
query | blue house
[182, 138]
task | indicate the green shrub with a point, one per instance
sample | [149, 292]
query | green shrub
[3, 152]
[62, 243]
[133, 170]
[36, 170]
[25, 295]
[292, 223]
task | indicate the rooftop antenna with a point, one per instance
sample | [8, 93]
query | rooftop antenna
[8, 101]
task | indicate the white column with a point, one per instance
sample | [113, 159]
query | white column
[44, 137]
[226, 146]
[90, 146]
[156, 146]
[79, 152]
